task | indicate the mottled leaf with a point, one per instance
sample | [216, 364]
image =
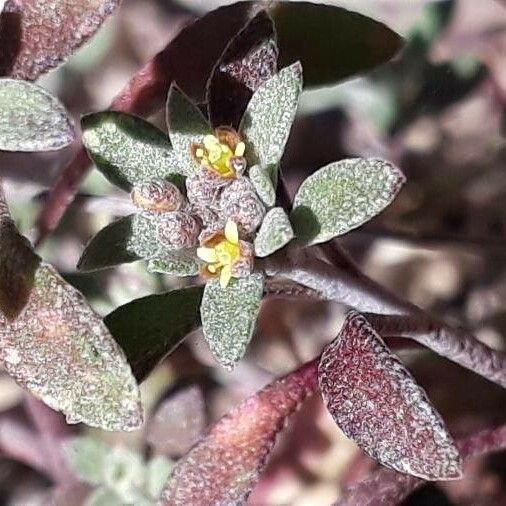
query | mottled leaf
[225, 465]
[37, 35]
[262, 181]
[274, 233]
[87, 457]
[342, 196]
[187, 125]
[60, 350]
[269, 115]
[18, 264]
[376, 402]
[176, 263]
[248, 61]
[31, 119]
[150, 328]
[127, 149]
[229, 315]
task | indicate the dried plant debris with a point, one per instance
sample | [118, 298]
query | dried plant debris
[376, 402]
[225, 465]
[61, 351]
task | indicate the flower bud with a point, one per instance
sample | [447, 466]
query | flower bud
[178, 230]
[203, 188]
[158, 196]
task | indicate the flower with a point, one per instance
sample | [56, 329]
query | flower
[225, 255]
[222, 152]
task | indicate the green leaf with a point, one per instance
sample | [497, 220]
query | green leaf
[86, 457]
[262, 182]
[127, 149]
[61, 351]
[176, 263]
[342, 196]
[187, 126]
[124, 473]
[274, 233]
[150, 328]
[103, 497]
[229, 315]
[31, 119]
[332, 43]
[157, 473]
[266, 124]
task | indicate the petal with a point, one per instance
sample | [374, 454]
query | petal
[231, 232]
[225, 275]
[207, 254]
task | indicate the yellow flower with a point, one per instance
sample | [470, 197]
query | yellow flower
[221, 152]
[220, 252]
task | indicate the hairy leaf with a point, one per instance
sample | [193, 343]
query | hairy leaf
[269, 115]
[376, 402]
[229, 315]
[31, 119]
[176, 263]
[60, 350]
[37, 35]
[342, 196]
[261, 179]
[127, 149]
[274, 233]
[225, 465]
[150, 328]
[187, 125]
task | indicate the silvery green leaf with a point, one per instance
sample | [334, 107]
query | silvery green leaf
[59, 349]
[268, 119]
[143, 241]
[127, 149]
[262, 182]
[86, 457]
[103, 497]
[342, 196]
[124, 473]
[274, 233]
[187, 126]
[228, 316]
[31, 119]
[176, 263]
[157, 473]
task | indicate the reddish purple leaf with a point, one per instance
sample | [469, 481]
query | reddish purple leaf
[377, 403]
[37, 35]
[223, 467]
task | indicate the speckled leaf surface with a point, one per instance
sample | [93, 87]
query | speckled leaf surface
[176, 263]
[269, 115]
[376, 402]
[342, 196]
[229, 315]
[60, 350]
[274, 233]
[225, 465]
[37, 35]
[149, 328]
[261, 179]
[18, 264]
[187, 125]
[31, 119]
[127, 149]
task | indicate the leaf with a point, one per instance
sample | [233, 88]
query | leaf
[103, 497]
[331, 43]
[127, 149]
[342, 196]
[18, 264]
[157, 472]
[243, 439]
[187, 126]
[31, 119]
[60, 350]
[229, 316]
[37, 35]
[150, 328]
[376, 402]
[262, 182]
[274, 233]
[247, 62]
[176, 263]
[266, 124]
[86, 457]
[109, 247]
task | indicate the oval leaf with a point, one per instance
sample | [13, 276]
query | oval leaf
[262, 181]
[229, 315]
[31, 119]
[376, 402]
[274, 233]
[37, 35]
[225, 465]
[176, 263]
[60, 350]
[127, 149]
[342, 196]
[149, 328]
